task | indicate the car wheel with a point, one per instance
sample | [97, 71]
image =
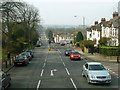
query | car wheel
[26, 64]
[9, 84]
[15, 64]
[88, 80]
[83, 74]
[3, 88]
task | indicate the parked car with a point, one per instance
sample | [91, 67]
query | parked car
[31, 53]
[27, 54]
[39, 43]
[96, 73]
[67, 52]
[5, 80]
[62, 44]
[21, 60]
[75, 55]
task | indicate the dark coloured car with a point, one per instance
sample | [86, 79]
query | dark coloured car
[5, 80]
[31, 53]
[21, 60]
[27, 54]
[67, 52]
[62, 44]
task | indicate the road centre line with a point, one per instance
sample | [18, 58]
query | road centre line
[63, 63]
[73, 83]
[44, 65]
[51, 74]
[38, 85]
[59, 51]
[42, 72]
[67, 71]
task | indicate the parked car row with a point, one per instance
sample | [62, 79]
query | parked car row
[24, 58]
[4, 80]
[93, 71]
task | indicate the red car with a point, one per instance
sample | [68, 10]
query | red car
[75, 55]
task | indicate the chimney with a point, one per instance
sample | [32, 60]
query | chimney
[115, 14]
[103, 20]
[96, 22]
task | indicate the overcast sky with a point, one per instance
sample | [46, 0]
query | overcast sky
[62, 12]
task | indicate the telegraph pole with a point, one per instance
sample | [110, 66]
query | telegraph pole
[83, 23]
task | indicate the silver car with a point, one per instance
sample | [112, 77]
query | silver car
[96, 73]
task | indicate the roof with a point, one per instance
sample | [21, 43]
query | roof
[91, 63]
[114, 19]
[74, 51]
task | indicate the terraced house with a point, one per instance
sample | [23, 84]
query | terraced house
[108, 29]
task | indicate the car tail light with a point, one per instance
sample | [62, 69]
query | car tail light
[28, 56]
[14, 60]
[24, 60]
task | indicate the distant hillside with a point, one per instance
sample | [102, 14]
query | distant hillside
[62, 26]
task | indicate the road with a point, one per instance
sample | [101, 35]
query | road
[52, 69]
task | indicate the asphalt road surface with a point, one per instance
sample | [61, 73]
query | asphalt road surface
[52, 69]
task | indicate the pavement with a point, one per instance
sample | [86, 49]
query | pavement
[111, 65]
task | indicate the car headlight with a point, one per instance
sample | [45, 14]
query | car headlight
[108, 76]
[92, 76]
[66, 52]
[79, 55]
[72, 56]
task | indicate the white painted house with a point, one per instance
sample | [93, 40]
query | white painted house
[63, 38]
[108, 29]
[93, 33]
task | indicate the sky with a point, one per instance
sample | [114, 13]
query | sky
[62, 12]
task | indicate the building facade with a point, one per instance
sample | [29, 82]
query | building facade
[119, 21]
[108, 29]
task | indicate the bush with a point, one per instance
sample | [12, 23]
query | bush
[88, 43]
[110, 51]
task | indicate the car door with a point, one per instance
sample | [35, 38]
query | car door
[5, 80]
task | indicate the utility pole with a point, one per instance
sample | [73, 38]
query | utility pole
[83, 23]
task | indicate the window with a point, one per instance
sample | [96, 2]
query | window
[86, 66]
[115, 32]
[90, 35]
[3, 75]
[96, 67]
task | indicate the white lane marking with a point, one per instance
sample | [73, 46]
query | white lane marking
[44, 65]
[38, 85]
[45, 60]
[59, 51]
[51, 73]
[61, 60]
[67, 71]
[73, 83]
[42, 72]
[63, 63]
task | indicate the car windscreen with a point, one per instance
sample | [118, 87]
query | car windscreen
[96, 67]
[68, 50]
[75, 53]
[20, 57]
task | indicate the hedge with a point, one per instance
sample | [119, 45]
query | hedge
[110, 51]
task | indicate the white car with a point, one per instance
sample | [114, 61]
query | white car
[96, 73]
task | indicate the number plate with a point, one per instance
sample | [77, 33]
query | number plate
[19, 63]
[76, 57]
